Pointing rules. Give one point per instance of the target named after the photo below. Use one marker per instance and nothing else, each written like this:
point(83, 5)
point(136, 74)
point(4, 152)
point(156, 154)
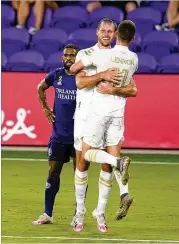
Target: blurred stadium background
point(152, 122)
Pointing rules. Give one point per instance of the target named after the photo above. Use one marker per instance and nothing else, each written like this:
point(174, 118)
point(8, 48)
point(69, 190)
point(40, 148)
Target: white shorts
point(102, 130)
point(79, 125)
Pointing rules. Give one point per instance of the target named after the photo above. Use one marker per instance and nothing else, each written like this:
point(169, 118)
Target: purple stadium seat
point(54, 61)
point(14, 40)
point(46, 20)
point(160, 43)
point(169, 64)
point(3, 61)
point(147, 63)
point(70, 18)
point(145, 18)
point(48, 41)
point(26, 61)
point(160, 5)
point(7, 16)
point(135, 45)
point(84, 38)
point(113, 13)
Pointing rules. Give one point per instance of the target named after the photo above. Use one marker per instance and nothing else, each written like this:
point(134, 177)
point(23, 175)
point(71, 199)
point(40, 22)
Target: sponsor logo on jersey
point(66, 94)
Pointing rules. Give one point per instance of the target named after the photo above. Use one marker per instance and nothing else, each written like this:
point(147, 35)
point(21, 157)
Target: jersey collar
point(120, 47)
point(95, 47)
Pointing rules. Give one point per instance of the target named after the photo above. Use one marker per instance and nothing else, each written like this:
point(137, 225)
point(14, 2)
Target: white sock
point(100, 157)
point(123, 188)
point(19, 26)
point(105, 185)
point(81, 181)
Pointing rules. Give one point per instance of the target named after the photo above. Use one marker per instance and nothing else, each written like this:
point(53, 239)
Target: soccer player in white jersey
point(86, 81)
point(106, 121)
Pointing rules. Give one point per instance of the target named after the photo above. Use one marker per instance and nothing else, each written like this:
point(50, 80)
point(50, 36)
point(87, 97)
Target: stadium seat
point(160, 43)
point(135, 45)
point(7, 16)
point(70, 18)
point(160, 5)
point(147, 63)
point(26, 61)
point(3, 61)
point(46, 19)
point(14, 40)
point(169, 64)
point(145, 18)
point(84, 38)
point(113, 13)
point(54, 61)
point(48, 41)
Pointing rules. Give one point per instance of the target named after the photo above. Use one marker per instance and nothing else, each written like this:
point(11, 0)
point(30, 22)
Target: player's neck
point(102, 47)
point(67, 72)
point(122, 43)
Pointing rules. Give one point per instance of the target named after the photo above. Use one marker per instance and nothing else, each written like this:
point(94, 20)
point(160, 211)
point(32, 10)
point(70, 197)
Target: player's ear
point(97, 31)
point(132, 39)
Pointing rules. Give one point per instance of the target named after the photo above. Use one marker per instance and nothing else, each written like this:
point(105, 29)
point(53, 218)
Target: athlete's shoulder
point(59, 71)
point(134, 55)
point(87, 51)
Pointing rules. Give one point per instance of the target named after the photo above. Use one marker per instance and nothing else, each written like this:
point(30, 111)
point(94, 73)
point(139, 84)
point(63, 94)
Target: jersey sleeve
point(49, 79)
point(79, 56)
point(87, 60)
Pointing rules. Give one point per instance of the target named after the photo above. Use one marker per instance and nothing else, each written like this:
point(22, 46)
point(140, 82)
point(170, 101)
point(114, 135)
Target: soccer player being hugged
point(60, 147)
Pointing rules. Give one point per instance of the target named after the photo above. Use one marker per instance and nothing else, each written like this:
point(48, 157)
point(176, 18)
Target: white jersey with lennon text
point(84, 96)
point(126, 62)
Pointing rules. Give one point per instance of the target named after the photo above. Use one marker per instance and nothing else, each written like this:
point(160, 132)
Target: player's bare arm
point(126, 91)
point(41, 88)
point(76, 67)
point(83, 81)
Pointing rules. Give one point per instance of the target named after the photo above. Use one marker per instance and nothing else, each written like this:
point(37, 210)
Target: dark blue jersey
point(64, 104)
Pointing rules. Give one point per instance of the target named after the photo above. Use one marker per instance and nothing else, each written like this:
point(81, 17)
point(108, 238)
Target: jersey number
point(124, 74)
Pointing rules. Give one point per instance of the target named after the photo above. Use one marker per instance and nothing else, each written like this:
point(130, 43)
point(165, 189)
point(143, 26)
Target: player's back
point(123, 59)
point(126, 61)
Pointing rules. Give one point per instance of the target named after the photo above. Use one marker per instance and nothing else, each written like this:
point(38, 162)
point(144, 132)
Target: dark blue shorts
point(60, 152)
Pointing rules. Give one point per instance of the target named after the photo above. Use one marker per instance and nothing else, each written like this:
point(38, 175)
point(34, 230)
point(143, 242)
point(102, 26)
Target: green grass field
point(154, 214)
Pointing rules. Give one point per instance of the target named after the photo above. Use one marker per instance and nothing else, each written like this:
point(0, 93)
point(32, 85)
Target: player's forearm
point(42, 97)
point(88, 81)
point(75, 68)
point(128, 91)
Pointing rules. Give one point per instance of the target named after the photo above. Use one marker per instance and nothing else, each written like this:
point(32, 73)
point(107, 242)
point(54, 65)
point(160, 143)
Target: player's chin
point(106, 43)
point(68, 65)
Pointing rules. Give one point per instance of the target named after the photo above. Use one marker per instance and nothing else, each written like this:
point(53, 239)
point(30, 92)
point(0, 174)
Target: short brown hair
point(126, 30)
point(108, 21)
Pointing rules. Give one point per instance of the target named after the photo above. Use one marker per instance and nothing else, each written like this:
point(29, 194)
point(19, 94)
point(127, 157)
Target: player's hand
point(105, 88)
point(49, 115)
point(112, 75)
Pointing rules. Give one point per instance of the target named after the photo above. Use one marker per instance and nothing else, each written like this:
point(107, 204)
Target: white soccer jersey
point(119, 57)
point(83, 99)
point(84, 96)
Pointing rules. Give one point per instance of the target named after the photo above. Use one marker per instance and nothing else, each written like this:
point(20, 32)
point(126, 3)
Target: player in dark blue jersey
point(60, 147)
